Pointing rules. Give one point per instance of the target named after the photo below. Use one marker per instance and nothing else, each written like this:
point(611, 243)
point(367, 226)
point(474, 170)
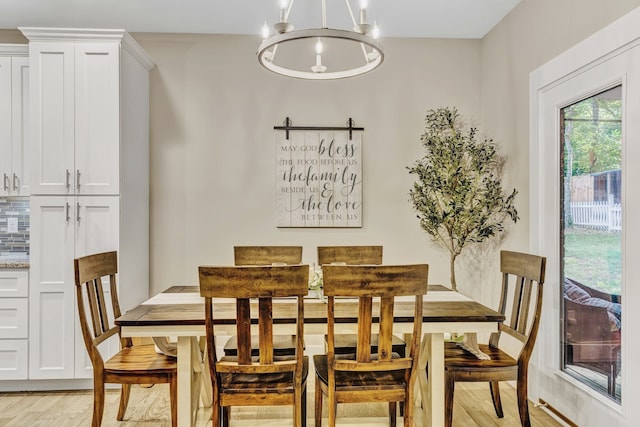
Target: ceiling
point(396, 18)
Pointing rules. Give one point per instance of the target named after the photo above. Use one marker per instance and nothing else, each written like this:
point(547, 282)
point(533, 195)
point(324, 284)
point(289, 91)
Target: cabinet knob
point(6, 182)
point(16, 182)
point(78, 179)
point(68, 177)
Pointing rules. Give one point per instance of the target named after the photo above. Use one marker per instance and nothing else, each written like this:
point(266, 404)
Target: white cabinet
point(14, 321)
point(62, 229)
point(75, 117)
point(14, 107)
point(90, 181)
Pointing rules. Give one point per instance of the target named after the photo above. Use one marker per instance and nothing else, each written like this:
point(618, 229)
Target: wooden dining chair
point(263, 379)
point(522, 284)
point(356, 255)
point(133, 364)
point(266, 255)
point(365, 376)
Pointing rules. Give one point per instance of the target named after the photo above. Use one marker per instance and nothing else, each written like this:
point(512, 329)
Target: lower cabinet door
point(13, 359)
point(96, 230)
point(52, 310)
point(14, 318)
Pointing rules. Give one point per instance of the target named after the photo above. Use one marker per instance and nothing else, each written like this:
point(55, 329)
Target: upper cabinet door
point(14, 102)
point(21, 154)
point(76, 115)
point(5, 127)
point(52, 78)
point(97, 118)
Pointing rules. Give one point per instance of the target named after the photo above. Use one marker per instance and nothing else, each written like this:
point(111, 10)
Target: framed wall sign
point(319, 176)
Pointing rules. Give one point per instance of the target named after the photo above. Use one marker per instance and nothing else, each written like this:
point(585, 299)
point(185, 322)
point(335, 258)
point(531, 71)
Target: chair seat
point(457, 358)
point(283, 345)
point(260, 383)
point(361, 381)
point(346, 344)
point(141, 359)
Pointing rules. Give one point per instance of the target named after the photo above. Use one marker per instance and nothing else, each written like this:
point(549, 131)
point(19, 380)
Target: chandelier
point(321, 53)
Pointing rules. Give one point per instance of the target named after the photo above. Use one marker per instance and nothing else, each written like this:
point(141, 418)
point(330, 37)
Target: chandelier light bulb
point(283, 10)
point(376, 31)
point(363, 11)
point(318, 67)
point(265, 31)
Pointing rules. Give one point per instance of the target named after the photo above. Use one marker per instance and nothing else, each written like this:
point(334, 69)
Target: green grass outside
point(594, 258)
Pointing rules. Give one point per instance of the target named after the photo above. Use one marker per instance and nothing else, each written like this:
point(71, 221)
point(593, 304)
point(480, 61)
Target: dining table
point(178, 312)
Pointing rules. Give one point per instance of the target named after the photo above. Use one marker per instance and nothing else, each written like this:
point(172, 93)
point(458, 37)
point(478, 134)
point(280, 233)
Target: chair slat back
point(353, 255)
point(244, 283)
point(263, 281)
point(267, 255)
point(368, 283)
point(90, 271)
point(525, 274)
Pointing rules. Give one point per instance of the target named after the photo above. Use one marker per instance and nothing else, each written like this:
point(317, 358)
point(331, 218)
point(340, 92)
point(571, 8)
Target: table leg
point(431, 378)
point(185, 372)
point(206, 393)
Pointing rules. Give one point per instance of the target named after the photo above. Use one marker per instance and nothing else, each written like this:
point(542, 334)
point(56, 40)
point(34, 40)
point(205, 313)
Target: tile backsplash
point(14, 211)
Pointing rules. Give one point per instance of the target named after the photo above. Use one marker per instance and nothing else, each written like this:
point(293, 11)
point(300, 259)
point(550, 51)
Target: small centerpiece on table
point(315, 282)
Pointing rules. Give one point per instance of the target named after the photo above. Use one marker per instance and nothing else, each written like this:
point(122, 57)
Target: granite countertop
point(15, 261)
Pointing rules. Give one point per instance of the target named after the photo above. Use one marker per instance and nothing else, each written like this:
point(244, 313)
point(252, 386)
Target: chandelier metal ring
point(364, 36)
point(329, 33)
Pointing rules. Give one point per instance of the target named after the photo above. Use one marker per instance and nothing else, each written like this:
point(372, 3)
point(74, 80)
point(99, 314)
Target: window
point(590, 238)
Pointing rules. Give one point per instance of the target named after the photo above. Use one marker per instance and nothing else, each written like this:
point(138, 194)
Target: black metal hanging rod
point(288, 127)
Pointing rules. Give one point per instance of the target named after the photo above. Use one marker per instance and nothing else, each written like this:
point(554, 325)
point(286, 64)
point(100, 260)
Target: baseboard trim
point(555, 412)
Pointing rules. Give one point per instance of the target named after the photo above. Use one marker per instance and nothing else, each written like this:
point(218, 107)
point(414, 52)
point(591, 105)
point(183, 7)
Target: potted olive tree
point(458, 194)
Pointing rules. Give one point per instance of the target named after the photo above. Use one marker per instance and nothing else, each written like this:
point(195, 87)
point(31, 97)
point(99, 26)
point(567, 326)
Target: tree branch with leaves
point(458, 193)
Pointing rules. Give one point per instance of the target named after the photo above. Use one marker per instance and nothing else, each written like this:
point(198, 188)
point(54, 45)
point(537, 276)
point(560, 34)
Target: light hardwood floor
point(150, 407)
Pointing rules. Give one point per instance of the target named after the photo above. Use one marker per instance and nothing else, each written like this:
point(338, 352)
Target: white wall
point(515, 48)
point(533, 33)
point(213, 109)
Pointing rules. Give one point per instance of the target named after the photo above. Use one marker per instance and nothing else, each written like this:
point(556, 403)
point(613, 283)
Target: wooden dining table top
point(315, 311)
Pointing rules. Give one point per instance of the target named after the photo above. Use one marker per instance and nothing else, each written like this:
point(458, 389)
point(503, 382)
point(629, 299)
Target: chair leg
point(495, 397)
point(523, 398)
point(297, 407)
point(304, 405)
point(215, 410)
point(393, 416)
point(173, 400)
point(611, 380)
point(449, 388)
point(332, 407)
point(226, 415)
point(98, 402)
point(318, 404)
point(125, 391)
point(408, 407)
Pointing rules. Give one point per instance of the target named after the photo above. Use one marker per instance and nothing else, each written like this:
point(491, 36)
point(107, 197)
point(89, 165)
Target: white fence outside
point(600, 215)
